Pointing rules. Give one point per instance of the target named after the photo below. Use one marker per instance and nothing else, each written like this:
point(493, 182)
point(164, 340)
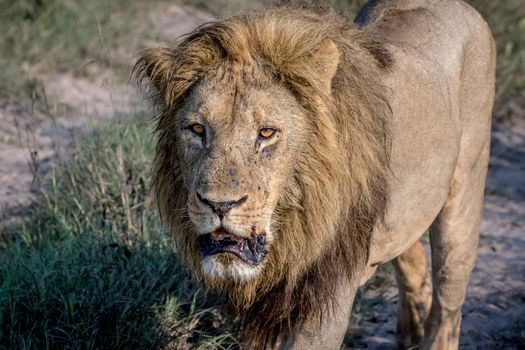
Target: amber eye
point(266, 133)
point(198, 129)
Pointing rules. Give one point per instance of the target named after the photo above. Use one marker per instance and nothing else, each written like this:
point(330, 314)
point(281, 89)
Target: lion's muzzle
point(221, 208)
point(250, 250)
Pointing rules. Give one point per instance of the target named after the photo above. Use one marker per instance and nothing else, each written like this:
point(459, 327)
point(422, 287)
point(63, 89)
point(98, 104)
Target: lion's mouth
point(250, 250)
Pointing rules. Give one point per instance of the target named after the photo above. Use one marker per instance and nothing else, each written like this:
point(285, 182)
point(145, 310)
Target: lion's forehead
point(253, 99)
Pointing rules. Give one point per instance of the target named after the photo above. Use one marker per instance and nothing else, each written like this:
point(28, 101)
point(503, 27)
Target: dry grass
point(93, 268)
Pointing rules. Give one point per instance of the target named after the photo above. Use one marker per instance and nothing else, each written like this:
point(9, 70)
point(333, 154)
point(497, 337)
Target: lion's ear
point(156, 65)
point(326, 60)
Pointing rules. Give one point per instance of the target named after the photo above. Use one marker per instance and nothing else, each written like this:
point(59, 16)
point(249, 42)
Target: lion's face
point(235, 147)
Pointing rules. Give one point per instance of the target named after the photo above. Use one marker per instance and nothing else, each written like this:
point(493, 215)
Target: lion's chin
point(226, 256)
point(227, 266)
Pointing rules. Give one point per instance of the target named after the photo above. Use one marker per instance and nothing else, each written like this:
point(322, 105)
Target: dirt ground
point(494, 311)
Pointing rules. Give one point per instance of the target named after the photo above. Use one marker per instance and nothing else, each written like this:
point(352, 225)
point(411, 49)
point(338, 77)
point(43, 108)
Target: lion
point(296, 151)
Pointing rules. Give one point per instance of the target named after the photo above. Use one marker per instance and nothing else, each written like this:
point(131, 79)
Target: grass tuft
point(94, 268)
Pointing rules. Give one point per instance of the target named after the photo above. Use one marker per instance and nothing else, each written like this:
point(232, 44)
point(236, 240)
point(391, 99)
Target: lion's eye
point(266, 133)
point(197, 129)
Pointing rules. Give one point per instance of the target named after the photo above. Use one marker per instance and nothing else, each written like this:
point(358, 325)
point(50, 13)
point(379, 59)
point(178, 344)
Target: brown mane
point(324, 219)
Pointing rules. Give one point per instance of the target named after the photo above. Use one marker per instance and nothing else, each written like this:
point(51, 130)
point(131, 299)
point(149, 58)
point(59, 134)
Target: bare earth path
point(494, 312)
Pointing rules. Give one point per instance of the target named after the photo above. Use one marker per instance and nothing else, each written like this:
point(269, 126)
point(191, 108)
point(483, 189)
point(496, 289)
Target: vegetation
point(93, 268)
point(80, 37)
point(506, 18)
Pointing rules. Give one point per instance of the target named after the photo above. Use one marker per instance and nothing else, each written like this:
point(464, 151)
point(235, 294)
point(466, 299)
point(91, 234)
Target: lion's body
point(382, 132)
point(442, 90)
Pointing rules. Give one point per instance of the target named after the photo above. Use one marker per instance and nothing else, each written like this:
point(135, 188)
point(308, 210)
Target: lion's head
point(271, 157)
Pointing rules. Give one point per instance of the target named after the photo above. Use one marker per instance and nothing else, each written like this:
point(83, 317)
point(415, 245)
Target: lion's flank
point(338, 191)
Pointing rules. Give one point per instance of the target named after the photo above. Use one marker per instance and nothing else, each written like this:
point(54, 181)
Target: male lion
point(297, 151)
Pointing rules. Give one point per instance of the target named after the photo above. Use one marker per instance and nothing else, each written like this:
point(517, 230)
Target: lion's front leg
point(334, 324)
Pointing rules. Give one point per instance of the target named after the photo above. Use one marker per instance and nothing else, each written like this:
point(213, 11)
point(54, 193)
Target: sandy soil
point(494, 312)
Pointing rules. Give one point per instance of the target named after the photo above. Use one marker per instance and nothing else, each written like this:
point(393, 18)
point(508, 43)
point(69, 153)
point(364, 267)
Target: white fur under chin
point(237, 271)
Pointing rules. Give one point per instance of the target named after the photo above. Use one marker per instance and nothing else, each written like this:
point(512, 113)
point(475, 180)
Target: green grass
point(506, 19)
point(80, 37)
point(94, 268)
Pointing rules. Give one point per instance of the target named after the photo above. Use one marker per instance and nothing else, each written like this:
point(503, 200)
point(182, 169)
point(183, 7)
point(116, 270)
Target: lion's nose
point(221, 208)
